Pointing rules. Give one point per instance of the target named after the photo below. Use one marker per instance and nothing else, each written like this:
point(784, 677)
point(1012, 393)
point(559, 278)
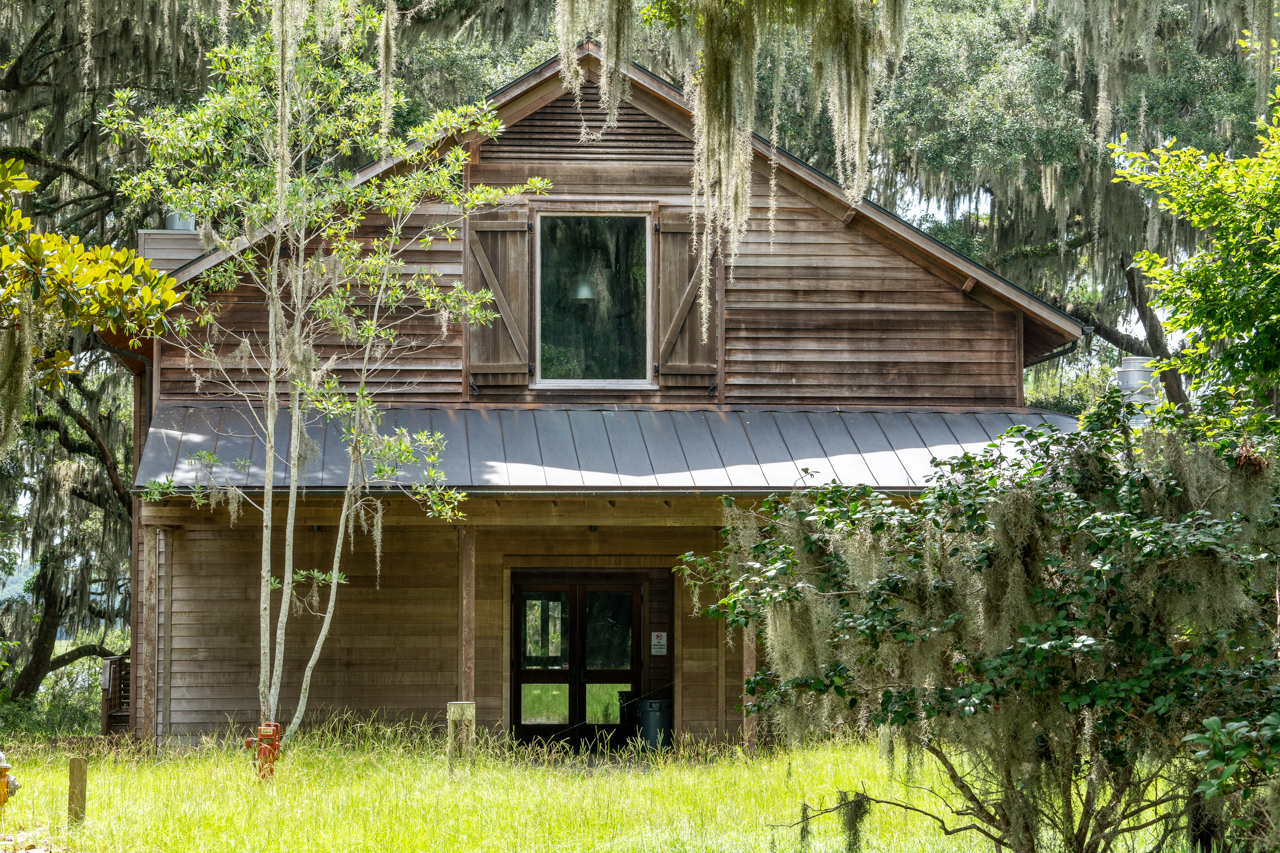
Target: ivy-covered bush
point(1048, 621)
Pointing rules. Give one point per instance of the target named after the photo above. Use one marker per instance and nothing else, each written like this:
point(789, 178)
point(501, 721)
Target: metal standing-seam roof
point(568, 449)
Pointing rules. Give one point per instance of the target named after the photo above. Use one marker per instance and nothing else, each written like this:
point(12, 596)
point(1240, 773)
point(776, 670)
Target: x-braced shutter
point(686, 358)
point(498, 260)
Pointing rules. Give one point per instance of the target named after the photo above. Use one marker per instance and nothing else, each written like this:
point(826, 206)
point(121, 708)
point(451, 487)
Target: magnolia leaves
point(52, 285)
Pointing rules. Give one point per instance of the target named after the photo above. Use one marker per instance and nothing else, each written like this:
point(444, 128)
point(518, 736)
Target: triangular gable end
point(657, 104)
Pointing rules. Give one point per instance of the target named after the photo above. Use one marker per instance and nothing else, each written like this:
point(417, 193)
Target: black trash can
point(655, 722)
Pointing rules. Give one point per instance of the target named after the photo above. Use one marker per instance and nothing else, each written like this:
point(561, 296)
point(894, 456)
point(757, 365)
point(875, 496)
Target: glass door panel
point(545, 642)
point(607, 704)
point(544, 704)
point(609, 621)
point(576, 661)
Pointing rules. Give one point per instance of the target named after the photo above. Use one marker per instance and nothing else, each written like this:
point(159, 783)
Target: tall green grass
point(388, 788)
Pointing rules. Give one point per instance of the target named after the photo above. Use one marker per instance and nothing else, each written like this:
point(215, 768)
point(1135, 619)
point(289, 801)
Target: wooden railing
point(115, 695)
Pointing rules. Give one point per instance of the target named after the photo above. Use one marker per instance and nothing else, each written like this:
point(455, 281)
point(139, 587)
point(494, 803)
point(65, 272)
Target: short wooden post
point(462, 730)
point(77, 790)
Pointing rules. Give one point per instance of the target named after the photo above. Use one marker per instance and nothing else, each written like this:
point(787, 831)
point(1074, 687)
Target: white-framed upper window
point(593, 299)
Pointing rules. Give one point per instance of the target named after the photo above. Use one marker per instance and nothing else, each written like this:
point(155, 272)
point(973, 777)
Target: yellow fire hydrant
point(9, 783)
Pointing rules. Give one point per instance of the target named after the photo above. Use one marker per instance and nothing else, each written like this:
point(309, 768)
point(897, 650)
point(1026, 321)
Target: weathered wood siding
point(815, 310)
point(394, 646)
point(429, 368)
point(168, 250)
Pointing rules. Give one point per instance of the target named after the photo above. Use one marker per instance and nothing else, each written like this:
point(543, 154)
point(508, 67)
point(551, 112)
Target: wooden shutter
point(685, 359)
point(498, 259)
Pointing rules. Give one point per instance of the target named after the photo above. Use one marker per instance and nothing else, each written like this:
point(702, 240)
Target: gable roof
point(1050, 327)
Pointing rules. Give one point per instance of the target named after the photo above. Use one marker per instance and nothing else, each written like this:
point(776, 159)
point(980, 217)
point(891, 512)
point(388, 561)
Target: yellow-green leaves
point(51, 285)
point(1225, 297)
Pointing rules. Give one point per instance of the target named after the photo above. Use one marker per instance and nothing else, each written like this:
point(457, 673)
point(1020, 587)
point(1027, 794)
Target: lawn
point(380, 790)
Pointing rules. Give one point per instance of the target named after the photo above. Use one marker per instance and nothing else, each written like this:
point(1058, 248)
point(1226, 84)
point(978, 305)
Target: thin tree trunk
point(270, 408)
point(304, 693)
point(271, 404)
point(286, 594)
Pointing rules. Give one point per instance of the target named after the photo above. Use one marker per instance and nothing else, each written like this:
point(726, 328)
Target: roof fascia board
point(968, 268)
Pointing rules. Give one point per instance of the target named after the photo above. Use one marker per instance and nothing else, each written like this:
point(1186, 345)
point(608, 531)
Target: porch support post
point(467, 613)
point(145, 660)
point(677, 645)
point(748, 670)
point(722, 640)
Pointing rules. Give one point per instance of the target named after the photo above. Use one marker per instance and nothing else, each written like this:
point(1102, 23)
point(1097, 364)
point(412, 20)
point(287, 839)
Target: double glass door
point(576, 661)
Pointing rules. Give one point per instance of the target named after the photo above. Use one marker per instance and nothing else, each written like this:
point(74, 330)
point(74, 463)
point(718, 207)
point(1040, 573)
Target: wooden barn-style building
point(593, 444)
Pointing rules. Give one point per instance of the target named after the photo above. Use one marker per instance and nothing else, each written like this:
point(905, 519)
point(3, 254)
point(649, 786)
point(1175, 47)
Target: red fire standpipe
point(266, 747)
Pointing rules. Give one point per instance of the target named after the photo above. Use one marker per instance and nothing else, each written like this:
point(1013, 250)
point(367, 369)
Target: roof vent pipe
point(179, 220)
point(1137, 383)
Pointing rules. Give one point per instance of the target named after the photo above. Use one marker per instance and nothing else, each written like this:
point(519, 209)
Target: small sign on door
point(658, 642)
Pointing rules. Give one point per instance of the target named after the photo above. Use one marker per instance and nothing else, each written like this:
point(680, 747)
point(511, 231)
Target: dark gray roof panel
point(576, 449)
point(235, 445)
point(845, 461)
point(734, 449)
point(671, 469)
point(972, 437)
point(488, 459)
point(163, 441)
point(520, 442)
point(910, 447)
point(560, 461)
point(201, 436)
point(883, 464)
point(630, 453)
point(596, 463)
point(772, 454)
point(700, 452)
point(455, 464)
point(936, 435)
point(804, 449)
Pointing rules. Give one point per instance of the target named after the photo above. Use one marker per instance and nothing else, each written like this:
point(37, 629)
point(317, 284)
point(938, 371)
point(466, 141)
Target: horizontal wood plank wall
point(700, 673)
point(168, 250)
point(429, 369)
point(816, 311)
point(394, 641)
point(637, 138)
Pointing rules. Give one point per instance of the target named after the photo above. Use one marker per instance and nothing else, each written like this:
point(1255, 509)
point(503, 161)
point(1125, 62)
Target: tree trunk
point(290, 530)
point(28, 682)
point(304, 693)
point(1151, 324)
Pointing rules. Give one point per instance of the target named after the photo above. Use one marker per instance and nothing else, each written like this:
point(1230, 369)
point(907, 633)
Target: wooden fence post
point(462, 730)
point(77, 790)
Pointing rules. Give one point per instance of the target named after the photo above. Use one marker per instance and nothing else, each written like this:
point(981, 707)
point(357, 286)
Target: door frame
point(578, 582)
point(518, 566)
